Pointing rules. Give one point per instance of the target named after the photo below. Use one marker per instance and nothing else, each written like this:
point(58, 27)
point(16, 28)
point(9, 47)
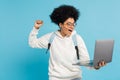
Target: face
point(67, 27)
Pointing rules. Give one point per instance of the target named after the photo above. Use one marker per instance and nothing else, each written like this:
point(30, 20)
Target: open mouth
point(70, 30)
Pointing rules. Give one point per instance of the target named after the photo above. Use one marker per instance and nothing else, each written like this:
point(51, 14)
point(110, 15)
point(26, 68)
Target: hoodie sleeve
point(35, 42)
point(83, 53)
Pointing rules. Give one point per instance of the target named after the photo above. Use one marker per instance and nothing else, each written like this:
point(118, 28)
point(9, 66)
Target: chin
point(68, 35)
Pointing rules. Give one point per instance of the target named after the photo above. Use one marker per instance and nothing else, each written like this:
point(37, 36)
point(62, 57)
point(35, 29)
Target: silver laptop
point(103, 51)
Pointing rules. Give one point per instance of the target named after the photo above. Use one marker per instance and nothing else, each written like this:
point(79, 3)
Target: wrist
point(36, 27)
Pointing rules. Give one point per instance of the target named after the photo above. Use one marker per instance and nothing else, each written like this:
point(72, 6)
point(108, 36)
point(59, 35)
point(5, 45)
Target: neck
point(62, 33)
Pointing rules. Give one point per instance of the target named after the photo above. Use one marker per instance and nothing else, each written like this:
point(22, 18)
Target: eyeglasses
point(69, 24)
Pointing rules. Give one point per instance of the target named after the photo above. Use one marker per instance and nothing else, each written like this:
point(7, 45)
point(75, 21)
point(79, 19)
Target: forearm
point(33, 38)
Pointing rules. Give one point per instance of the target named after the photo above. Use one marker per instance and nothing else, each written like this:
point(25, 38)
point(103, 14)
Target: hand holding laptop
point(100, 64)
point(90, 63)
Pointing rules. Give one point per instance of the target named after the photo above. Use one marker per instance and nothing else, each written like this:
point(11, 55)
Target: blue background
point(100, 19)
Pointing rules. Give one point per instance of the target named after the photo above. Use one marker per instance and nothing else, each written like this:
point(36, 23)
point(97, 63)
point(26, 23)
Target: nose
point(72, 27)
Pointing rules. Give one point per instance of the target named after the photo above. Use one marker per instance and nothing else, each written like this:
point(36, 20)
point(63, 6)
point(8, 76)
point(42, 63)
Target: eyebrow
point(71, 22)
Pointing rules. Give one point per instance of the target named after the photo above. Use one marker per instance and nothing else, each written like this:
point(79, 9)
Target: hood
point(59, 35)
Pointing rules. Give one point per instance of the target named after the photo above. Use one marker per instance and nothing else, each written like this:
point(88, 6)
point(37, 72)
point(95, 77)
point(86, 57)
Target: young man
point(65, 50)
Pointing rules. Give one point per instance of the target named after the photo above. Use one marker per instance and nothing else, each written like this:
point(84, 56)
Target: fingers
point(39, 22)
point(101, 63)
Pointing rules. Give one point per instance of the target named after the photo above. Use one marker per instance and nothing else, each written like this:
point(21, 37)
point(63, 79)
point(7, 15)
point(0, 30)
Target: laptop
point(103, 52)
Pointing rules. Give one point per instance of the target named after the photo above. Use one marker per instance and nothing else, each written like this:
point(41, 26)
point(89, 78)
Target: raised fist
point(38, 24)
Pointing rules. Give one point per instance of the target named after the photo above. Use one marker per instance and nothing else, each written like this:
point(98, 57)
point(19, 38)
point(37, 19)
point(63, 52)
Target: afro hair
point(63, 12)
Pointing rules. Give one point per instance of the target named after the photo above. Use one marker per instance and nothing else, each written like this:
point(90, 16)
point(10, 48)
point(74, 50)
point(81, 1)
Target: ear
point(60, 25)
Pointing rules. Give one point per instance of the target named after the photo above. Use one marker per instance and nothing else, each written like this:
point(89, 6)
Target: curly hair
point(63, 12)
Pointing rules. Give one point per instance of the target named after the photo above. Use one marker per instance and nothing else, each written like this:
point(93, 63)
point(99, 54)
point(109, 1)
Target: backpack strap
point(74, 38)
point(51, 40)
